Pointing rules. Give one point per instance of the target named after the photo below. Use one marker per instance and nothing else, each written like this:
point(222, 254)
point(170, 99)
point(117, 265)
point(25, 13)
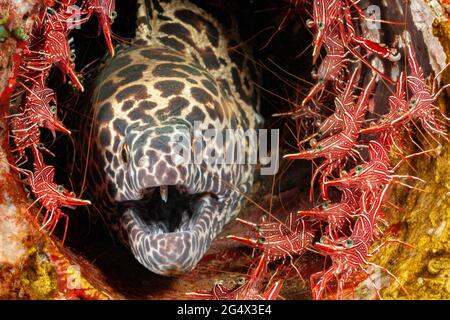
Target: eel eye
point(359, 169)
point(60, 189)
point(125, 153)
point(325, 205)
point(413, 103)
point(321, 25)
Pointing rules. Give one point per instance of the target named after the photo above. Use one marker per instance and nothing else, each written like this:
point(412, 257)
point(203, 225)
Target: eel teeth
point(164, 190)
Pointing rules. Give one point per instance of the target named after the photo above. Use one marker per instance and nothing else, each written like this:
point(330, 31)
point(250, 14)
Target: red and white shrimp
point(104, 10)
point(349, 255)
point(250, 290)
point(51, 195)
point(336, 148)
point(280, 240)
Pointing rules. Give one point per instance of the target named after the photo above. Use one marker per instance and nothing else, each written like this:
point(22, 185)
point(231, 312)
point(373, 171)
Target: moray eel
point(179, 72)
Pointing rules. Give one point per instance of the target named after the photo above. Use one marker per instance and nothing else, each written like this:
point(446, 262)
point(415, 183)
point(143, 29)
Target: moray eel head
point(167, 220)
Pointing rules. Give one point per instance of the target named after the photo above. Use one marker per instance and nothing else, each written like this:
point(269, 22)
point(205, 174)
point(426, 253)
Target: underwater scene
point(224, 150)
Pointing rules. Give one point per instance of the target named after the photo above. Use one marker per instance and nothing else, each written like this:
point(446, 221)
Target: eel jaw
point(171, 252)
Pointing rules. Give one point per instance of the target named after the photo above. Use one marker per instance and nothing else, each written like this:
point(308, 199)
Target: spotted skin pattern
point(180, 70)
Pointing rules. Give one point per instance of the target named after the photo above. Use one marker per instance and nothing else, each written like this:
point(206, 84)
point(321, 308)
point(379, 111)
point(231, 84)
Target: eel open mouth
point(165, 209)
point(169, 230)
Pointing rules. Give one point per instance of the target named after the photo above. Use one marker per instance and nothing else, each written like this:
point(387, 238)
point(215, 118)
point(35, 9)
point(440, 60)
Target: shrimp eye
point(358, 169)
point(396, 56)
point(113, 15)
point(125, 153)
point(325, 205)
point(383, 119)
point(413, 103)
point(72, 57)
point(262, 240)
point(53, 109)
point(321, 79)
point(349, 243)
point(240, 281)
point(60, 189)
point(321, 25)
point(319, 148)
